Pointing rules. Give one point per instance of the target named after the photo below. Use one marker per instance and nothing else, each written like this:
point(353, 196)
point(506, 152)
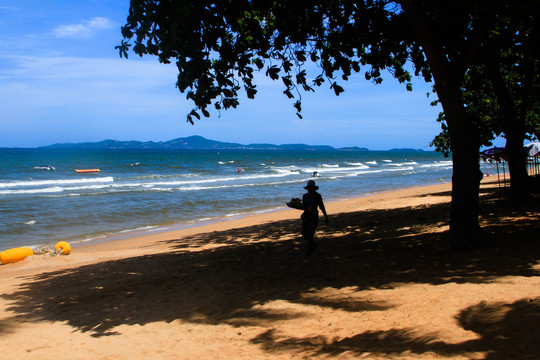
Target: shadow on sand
point(376, 250)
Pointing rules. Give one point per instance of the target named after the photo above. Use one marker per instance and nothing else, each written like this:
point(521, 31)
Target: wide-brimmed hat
point(311, 184)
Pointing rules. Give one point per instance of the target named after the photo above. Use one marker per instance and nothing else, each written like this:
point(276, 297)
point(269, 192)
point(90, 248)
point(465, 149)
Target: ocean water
point(156, 190)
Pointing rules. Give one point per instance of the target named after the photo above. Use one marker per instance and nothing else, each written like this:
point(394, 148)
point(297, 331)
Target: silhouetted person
point(311, 201)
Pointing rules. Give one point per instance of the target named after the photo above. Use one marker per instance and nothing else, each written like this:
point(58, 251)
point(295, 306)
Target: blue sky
point(61, 80)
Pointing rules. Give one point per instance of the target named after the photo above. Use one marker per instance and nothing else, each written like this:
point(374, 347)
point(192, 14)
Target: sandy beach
point(383, 284)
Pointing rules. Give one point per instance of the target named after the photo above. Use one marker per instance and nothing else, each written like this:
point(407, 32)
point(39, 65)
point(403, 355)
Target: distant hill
point(353, 148)
point(191, 142)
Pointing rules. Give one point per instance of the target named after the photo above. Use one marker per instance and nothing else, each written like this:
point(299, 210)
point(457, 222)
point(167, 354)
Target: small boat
point(44, 167)
point(87, 170)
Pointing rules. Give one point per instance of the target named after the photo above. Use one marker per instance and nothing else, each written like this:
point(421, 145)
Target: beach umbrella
point(494, 153)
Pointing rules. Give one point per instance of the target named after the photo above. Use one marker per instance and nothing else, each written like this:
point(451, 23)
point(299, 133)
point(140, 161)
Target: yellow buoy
point(66, 248)
point(15, 254)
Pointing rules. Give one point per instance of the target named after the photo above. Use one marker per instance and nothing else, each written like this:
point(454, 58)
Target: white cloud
point(88, 81)
point(85, 29)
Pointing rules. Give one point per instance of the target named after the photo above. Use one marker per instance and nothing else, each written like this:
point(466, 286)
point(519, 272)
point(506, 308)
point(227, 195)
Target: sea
point(142, 191)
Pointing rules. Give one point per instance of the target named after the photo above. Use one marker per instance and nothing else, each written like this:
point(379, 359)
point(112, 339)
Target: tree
point(513, 71)
point(501, 92)
point(481, 105)
point(218, 44)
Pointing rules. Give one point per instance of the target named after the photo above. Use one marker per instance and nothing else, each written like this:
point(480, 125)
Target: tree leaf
point(337, 89)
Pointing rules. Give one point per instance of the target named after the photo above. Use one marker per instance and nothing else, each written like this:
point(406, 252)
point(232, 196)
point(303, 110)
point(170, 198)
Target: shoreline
point(175, 227)
point(334, 207)
point(160, 192)
point(203, 223)
point(130, 243)
point(157, 229)
point(382, 285)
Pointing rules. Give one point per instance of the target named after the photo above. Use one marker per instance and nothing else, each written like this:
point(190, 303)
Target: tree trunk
point(448, 73)
point(466, 176)
point(517, 164)
point(514, 129)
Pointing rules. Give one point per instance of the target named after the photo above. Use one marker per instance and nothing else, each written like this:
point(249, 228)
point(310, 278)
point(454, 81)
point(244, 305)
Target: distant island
point(197, 142)
point(192, 142)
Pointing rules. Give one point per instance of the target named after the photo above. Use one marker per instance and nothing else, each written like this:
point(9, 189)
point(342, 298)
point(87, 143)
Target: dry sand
point(382, 285)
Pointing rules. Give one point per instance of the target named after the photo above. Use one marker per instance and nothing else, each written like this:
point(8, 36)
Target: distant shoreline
point(201, 143)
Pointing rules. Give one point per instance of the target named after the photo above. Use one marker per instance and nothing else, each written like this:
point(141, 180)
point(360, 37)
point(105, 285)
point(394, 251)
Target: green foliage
point(481, 106)
point(123, 49)
point(510, 58)
point(514, 55)
point(219, 45)
point(441, 142)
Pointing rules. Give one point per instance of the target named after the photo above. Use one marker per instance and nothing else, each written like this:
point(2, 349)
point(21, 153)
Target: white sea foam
point(13, 184)
point(372, 172)
point(242, 178)
point(336, 170)
point(438, 164)
point(32, 191)
point(288, 174)
point(284, 169)
point(288, 170)
point(228, 186)
point(407, 168)
point(142, 228)
point(395, 164)
point(86, 187)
